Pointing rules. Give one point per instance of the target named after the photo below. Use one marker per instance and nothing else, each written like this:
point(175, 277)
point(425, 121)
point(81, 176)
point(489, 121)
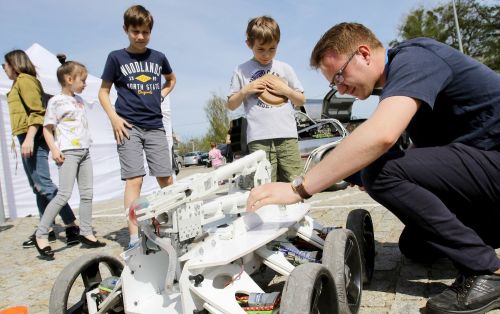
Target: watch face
point(297, 181)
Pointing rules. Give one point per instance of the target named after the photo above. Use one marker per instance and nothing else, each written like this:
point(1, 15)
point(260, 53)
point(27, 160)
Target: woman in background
point(26, 119)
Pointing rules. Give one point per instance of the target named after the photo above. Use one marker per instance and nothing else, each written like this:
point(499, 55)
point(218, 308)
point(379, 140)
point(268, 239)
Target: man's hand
point(271, 193)
point(58, 157)
point(120, 127)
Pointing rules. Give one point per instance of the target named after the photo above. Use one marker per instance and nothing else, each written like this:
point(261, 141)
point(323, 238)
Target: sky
point(203, 40)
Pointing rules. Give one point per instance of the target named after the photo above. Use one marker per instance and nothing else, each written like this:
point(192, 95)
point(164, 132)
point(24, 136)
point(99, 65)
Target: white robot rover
point(201, 252)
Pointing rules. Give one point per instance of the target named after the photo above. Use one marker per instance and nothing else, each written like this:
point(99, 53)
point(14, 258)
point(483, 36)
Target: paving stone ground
point(398, 285)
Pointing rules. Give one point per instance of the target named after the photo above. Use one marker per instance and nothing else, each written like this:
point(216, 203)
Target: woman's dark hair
point(71, 68)
point(20, 62)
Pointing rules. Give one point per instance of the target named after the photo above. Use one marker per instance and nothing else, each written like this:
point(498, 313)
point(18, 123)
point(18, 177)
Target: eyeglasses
point(338, 78)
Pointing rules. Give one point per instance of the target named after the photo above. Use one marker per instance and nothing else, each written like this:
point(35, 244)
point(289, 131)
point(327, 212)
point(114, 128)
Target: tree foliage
point(218, 119)
point(479, 27)
point(216, 112)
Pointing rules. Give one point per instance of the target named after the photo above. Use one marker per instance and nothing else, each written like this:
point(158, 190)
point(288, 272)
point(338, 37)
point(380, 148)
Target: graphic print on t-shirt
point(256, 75)
point(143, 76)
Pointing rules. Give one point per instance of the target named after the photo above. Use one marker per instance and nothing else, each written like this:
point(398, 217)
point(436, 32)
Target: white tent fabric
point(18, 198)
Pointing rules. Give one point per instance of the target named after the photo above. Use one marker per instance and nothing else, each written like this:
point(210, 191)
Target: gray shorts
point(154, 143)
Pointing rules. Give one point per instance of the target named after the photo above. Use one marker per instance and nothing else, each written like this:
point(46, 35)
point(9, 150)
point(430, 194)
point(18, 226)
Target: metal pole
point(457, 28)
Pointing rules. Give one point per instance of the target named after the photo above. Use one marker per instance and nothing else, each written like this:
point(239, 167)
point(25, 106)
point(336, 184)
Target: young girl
point(26, 119)
point(68, 137)
point(215, 156)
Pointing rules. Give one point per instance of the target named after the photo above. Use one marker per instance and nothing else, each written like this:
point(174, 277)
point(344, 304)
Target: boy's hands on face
point(120, 127)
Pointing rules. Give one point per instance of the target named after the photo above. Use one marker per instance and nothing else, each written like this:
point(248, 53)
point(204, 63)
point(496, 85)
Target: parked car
point(226, 151)
point(179, 159)
point(204, 161)
point(315, 133)
point(192, 159)
point(336, 122)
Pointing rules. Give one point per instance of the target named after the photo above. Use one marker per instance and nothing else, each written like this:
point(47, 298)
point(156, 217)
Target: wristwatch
point(298, 187)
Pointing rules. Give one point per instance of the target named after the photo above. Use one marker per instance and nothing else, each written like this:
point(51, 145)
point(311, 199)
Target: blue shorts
point(154, 143)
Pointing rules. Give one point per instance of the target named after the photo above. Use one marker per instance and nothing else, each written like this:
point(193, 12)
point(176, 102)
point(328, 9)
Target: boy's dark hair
point(137, 15)
point(71, 68)
point(343, 38)
point(20, 62)
point(263, 29)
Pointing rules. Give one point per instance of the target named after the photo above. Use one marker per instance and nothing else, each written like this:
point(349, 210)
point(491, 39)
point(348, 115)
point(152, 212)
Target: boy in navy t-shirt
point(136, 118)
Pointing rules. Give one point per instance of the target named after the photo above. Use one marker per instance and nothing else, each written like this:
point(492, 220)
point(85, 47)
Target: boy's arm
point(297, 98)
point(118, 123)
point(235, 100)
point(170, 81)
point(48, 134)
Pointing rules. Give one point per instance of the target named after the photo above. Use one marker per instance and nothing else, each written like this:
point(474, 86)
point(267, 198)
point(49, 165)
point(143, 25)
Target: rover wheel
point(79, 277)
point(309, 289)
point(341, 256)
point(360, 223)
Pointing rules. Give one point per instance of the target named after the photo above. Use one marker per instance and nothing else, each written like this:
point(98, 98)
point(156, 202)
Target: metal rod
point(457, 27)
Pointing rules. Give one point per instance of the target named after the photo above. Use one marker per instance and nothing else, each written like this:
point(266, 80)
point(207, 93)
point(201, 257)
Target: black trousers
point(449, 196)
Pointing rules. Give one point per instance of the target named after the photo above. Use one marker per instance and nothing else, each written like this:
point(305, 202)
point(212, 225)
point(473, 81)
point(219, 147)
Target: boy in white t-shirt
point(271, 126)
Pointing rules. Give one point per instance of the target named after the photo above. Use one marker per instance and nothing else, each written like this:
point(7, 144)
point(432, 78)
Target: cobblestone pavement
point(398, 285)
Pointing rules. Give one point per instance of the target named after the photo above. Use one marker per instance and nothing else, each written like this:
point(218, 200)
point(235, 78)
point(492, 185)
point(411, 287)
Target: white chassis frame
point(204, 232)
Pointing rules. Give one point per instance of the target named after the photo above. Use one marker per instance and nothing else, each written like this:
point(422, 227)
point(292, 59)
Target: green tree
point(479, 27)
point(217, 116)
point(218, 119)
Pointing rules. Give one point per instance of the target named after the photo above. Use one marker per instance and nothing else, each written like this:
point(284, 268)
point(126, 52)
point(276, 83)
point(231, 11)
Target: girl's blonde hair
point(71, 68)
point(20, 62)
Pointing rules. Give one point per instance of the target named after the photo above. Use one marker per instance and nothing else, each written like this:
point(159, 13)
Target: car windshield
point(191, 154)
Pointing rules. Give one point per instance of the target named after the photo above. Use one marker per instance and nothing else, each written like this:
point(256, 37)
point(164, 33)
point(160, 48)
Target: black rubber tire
point(359, 221)
point(87, 267)
point(341, 256)
point(309, 289)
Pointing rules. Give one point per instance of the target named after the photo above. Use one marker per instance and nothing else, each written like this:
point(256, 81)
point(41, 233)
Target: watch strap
point(299, 189)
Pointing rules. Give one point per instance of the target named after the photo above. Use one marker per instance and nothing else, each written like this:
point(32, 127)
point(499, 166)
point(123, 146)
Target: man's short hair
point(263, 29)
point(343, 38)
point(137, 15)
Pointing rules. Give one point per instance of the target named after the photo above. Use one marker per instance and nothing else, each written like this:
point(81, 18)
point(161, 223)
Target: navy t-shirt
point(137, 79)
point(460, 96)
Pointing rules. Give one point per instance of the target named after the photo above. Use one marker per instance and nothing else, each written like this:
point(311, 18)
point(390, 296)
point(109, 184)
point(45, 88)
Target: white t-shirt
point(71, 129)
point(265, 121)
